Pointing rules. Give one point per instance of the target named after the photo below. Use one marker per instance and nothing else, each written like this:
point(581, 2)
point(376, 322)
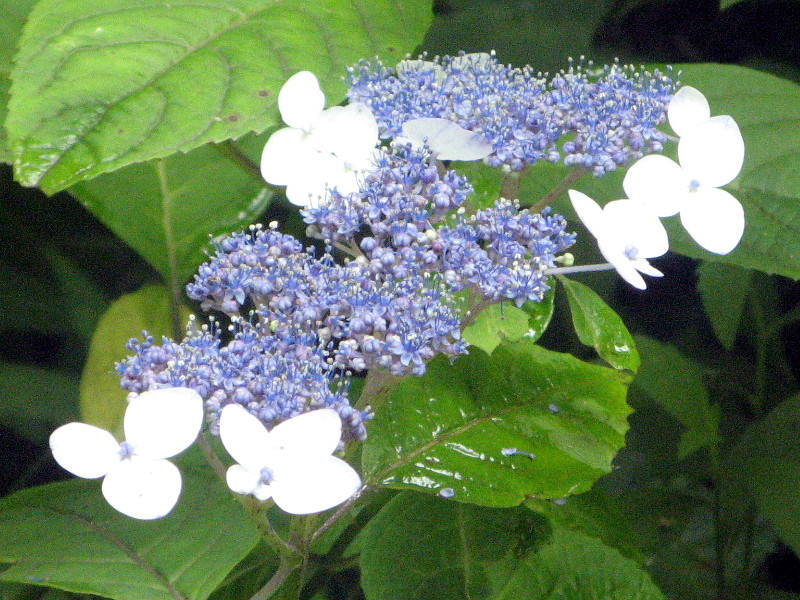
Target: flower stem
point(255, 509)
point(579, 269)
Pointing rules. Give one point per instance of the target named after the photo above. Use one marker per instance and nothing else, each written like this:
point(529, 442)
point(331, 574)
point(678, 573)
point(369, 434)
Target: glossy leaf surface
point(453, 428)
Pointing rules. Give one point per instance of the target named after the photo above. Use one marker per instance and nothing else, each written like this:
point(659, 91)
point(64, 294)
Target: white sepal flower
point(711, 155)
point(138, 482)
point(627, 233)
point(292, 463)
point(687, 109)
point(321, 149)
point(447, 139)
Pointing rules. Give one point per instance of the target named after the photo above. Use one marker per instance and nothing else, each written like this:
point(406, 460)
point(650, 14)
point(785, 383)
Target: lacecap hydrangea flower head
point(400, 249)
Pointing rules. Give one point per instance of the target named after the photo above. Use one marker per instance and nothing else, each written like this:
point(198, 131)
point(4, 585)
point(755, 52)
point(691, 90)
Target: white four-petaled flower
point(321, 149)
point(711, 153)
point(138, 482)
point(293, 463)
point(627, 233)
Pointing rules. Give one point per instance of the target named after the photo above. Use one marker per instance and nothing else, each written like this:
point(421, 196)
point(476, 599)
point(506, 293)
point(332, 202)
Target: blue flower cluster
point(274, 375)
point(302, 323)
point(403, 213)
point(611, 114)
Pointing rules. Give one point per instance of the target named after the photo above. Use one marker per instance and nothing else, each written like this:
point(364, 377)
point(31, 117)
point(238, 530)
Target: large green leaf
point(676, 383)
point(149, 309)
point(100, 84)
point(598, 326)
point(770, 459)
point(14, 14)
point(166, 210)
point(426, 548)
point(64, 535)
point(452, 428)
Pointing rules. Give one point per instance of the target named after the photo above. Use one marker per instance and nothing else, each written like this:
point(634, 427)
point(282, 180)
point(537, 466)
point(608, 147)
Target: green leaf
point(430, 548)
point(101, 84)
point(771, 466)
point(34, 400)
point(676, 383)
point(166, 210)
point(449, 428)
point(724, 290)
point(504, 322)
point(598, 326)
point(421, 547)
point(64, 535)
point(578, 566)
point(14, 14)
point(102, 400)
point(594, 514)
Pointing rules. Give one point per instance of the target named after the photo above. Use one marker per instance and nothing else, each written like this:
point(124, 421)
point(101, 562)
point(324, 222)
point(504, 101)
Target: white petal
point(242, 481)
point(285, 155)
point(322, 172)
point(311, 486)
point(162, 423)
point(143, 488)
point(714, 219)
point(687, 109)
point(301, 100)
point(244, 437)
point(713, 152)
point(314, 433)
point(630, 223)
point(658, 181)
point(625, 267)
point(84, 450)
point(350, 132)
point(447, 139)
point(645, 267)
point(589, 212)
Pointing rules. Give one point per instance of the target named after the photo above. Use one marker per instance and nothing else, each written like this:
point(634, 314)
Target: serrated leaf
point(770, 461)
point(724, 290)
point(676, 384)
point(102, 400)
point(449, 429)
point(14, 14)
point(598, 326)
point(101, 84)
point(166, 210)
point(486, 554)
point(34, 400)
point(64, 535)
